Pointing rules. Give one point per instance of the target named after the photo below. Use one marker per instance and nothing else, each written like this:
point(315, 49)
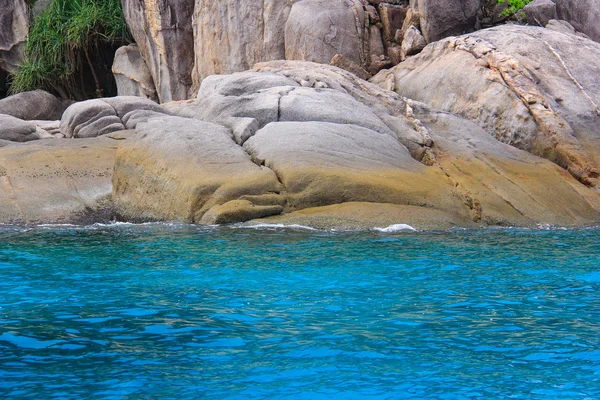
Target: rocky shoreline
point(497, 127)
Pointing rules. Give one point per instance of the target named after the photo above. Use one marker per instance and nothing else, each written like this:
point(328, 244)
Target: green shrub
point(65, 44)
point(514, 7)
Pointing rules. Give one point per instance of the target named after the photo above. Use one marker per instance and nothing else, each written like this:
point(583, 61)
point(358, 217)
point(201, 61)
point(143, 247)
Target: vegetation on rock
point(70, 47)
point(514, 7)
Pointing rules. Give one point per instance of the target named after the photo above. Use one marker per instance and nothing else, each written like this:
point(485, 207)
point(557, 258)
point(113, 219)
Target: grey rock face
point(584, 15)
point(35, 105)
point(231, 35)
point(292, 136)
point(443, 18)
point(163, 31)
point(16, 130)
point(540, 12)
point(14, 26)
point(412, 43)
point(99, 117)
point(317, 30)
point(197, 167)
point(132, 75)
point(55, 181)
point(533, 88)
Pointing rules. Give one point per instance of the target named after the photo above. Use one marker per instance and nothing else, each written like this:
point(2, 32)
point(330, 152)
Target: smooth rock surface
point(231, 35)
point(188, 170)
point(16, 130)
point(540, 12)
point(314, 142)
point(584, 15)
point(533, 88)
point(443, 18)
point(317, 30)
point(97, 117)
point(163, 31)
point(14, 27)
point(132, 75)
point(56, 181)
point(300, 120)
point(34, 105)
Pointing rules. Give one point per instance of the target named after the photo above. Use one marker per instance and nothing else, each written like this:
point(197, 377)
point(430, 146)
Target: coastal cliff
point(341, 113)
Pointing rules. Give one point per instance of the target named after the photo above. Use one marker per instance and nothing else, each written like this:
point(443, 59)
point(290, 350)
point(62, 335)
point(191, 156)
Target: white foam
point(275, 226)
point(550, 227)
point(57, 226)
point(396, 228)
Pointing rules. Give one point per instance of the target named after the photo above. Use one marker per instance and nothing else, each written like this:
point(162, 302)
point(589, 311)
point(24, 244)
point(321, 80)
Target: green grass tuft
point(514, 7)
point(60, 42)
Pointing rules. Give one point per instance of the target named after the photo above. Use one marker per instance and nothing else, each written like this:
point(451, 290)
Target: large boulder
point(163, 31)
point(530, 87)
point(97, 117)
point(14, 27)
point(317, 30)
point(540, 12)
point(132, 75)
point(16, 130)
point(55, 181)
point(582, 14)
point(443, 18)
point(232, 35)
point(181, 169)
point(293, 137)
point(34, 105)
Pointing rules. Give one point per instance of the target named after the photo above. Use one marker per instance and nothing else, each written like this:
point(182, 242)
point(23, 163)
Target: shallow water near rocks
point(173, 312)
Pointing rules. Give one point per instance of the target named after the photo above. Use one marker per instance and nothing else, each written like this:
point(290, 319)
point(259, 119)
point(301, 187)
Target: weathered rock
point(332, 138)
point(343, 62)
point(243, 102)
point(4, 143)
point(231, 35)
point(99, 117)
point(51, 127)
point(17, 130)
point(55, 181)
point(392, 19)
point(319, 143)
point(35, 105)
point(14, 27)
point(323, 163)
point(503, 185)
point(363, 216)
point(163, 31)
point(317, 30)
point(182, 169)
point(132, 75)
point(377, 57)
point(582, 14)
point(540, 12)
point(413, 42)
point(443, 18)
point(530, 87)
point(561, 26)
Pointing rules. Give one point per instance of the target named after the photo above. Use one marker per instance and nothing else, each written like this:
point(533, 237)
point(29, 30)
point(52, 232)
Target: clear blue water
point(167, 312)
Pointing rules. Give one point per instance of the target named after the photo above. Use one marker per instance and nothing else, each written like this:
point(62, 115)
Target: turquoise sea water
point(182, 312)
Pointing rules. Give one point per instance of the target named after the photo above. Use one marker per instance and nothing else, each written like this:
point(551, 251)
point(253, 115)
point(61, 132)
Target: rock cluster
point(529, 87)
point(183, 42)
point(14, 26)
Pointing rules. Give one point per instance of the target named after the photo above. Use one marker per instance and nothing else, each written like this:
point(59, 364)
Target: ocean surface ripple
point(182, 312)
